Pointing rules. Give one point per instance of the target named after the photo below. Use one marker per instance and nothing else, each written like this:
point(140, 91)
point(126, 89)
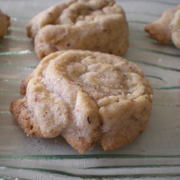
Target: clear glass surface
point(155, 154)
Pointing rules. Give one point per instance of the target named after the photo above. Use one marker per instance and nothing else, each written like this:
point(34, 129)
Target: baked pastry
point(175, 28)
point(80, 24)
point(167, 28)
point(86, 97)
point(5, 22)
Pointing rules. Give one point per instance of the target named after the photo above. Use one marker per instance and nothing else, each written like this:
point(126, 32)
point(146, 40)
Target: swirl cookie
point(80, 24)
point(87, 97)
point(5, 22)
point(167, 28)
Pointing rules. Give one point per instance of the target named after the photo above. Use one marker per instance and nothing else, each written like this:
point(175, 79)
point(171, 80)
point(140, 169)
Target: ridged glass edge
point(87, 156)
point(11, 178)
point(86, 176)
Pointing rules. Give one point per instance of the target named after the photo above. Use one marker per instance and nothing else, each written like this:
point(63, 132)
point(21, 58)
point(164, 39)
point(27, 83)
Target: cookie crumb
point(179, 80)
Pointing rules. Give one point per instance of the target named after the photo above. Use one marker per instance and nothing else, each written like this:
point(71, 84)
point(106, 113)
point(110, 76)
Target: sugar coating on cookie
point(167, 28)
point(5, 22)
point(80, 24)
point(87, 97)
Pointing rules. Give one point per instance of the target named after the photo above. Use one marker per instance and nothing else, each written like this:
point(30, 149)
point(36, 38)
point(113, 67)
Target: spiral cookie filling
point(87, 97)
point(80, 24)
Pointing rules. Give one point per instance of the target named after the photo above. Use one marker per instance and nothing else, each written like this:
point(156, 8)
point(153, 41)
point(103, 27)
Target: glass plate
point(155, 154)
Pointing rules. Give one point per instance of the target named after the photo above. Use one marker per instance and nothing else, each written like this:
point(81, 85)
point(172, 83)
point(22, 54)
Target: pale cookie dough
point(86, 97)
point(80, 24)
point(5, 22)
point(167, 27)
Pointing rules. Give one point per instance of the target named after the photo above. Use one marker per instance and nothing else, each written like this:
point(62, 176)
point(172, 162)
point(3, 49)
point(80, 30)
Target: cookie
point(80, 24)
point(160, 29)
point(5, 22)
point(87, 97)
point(175, 29)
